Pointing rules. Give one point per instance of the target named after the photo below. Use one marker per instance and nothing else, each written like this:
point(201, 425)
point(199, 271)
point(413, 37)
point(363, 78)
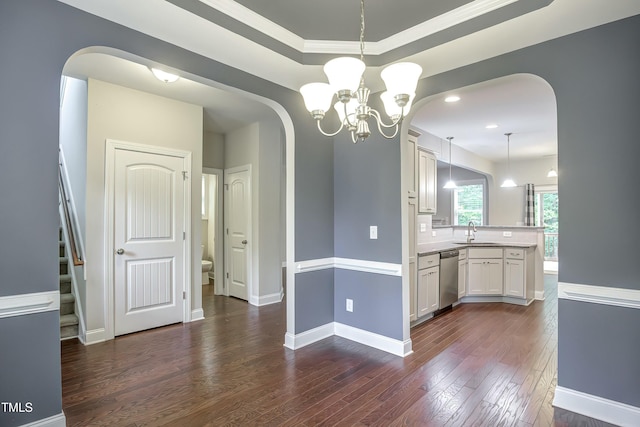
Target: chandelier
point(346, 82)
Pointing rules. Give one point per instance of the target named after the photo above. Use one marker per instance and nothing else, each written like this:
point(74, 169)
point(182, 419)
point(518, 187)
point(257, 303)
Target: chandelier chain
point(362, 30)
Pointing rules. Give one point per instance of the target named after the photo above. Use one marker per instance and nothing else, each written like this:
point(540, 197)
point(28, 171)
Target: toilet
point(206, 266)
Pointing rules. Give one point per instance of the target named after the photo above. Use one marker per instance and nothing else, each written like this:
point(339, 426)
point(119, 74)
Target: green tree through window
point(468, 204)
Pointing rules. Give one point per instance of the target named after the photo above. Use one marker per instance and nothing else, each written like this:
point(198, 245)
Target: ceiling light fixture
point(163, 76)
point(553, 173)
point(450, 184)
point(347, 83)
point(508, 183)
point(491, 126)
point(452, 98)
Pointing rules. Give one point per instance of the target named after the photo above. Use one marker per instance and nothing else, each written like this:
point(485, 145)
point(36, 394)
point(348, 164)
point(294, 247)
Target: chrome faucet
point(469, 230)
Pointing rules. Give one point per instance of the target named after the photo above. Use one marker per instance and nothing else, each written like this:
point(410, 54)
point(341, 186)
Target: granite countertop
point(432, 248)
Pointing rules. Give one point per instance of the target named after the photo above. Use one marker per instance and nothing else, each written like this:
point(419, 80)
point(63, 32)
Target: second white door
point(238, 231)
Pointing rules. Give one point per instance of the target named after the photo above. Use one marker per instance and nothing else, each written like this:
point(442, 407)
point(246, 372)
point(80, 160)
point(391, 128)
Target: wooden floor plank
point(479, 364)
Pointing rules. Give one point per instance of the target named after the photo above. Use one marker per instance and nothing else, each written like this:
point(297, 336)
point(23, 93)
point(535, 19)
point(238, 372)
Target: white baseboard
point(390, 345)
point(197, 314)
point(271, 298)
point(597, 407)
point(297, 341)
point(55, 421)
point(38, 302)
point(539, 295)
point(94, 336)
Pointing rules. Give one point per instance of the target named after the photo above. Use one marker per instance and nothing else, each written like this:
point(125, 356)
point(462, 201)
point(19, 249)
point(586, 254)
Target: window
point(469, 203)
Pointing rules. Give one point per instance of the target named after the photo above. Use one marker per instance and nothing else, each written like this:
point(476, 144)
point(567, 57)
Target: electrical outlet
point(350, 305)
point(433, 234)
point(506, 234)
point(373, 232)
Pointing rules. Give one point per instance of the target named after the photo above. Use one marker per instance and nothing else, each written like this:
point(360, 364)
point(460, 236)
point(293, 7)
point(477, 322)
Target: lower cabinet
point(514, 276)
point(485, 276)
point(428, 290)
point(462, 273)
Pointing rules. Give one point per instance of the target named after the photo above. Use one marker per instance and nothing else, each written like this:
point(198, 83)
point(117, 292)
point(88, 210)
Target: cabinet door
point(462, 278)
point(514, 278)
point(413, 266)
point(476, 277)
point(494, 279)
point(428, 290)
point(427, 182)
point(411, 165)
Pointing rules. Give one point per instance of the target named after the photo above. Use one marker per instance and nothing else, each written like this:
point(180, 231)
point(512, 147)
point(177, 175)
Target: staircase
point(68, 318)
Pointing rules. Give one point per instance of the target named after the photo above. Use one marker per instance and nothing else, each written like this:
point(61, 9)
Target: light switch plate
point(373, 232)
point(349, 305)
point(423, 228)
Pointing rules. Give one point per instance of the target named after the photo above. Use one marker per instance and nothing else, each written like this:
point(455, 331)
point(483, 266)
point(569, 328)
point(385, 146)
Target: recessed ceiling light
point(452, 98)
point(491, 126)
point(164, 76)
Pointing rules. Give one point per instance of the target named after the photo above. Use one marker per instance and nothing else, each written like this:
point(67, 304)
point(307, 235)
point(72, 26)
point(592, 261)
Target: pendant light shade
point(509, 182)
point(451, 183)
point(392, 109)
point(317, 96)
point(401, 78)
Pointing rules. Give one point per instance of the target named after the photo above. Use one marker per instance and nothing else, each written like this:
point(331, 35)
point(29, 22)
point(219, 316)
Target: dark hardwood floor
point(481, 364)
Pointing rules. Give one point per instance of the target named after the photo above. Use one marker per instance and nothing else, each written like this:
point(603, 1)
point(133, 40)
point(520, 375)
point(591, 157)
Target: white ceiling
point(522, 104)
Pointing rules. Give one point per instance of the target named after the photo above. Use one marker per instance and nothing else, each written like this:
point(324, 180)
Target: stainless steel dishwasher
point(448, 278)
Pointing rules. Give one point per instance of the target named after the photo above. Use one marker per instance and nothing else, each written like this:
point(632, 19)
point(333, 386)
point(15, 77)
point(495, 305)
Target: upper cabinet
point(411, 165)
point(427, 182)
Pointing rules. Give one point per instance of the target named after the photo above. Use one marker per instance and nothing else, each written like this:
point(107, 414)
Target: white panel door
point(148, 240)
point(238, 220)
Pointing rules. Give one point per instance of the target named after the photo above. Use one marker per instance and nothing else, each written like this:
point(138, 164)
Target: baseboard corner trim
point(305, 338)
point(539, 296)
point(371, 339)
point(58, 420)
point(197, 314)
point(94, 336)
point(270, 299)
point(596, 407)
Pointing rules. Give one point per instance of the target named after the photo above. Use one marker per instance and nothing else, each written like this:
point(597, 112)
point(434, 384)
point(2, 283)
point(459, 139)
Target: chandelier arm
point(346, 117)
point(329, 134)
point(376, 114)
point(379, 122)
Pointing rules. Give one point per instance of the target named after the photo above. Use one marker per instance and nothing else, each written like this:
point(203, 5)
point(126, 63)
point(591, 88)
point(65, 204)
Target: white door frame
point(111, 147)
point(250, 275)
point(219, 264)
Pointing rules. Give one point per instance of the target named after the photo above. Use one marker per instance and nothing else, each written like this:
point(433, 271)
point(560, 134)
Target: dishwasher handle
point(449, 254)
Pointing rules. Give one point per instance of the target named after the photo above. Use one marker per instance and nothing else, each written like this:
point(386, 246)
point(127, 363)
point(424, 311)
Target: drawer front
point(486, 253)
point(513, 253)
point(428, 261)
point(462, 255)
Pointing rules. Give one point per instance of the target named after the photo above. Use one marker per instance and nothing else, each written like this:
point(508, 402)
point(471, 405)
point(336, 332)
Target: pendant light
point(508, 183)
point(450, 184)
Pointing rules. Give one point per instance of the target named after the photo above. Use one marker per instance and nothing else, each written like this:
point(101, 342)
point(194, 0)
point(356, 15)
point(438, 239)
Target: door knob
point(244, 242)
point(120, 251)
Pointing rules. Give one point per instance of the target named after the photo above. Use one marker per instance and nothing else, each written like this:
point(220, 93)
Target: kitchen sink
point(472, 243)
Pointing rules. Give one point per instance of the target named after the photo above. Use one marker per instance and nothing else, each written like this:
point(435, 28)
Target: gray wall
point(593, 73)
point(314, 299)
point(213, 150)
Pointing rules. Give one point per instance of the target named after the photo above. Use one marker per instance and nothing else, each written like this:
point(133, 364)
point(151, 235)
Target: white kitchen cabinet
point(514, 277)
point(411, 163)
point(427, 182)
point(413, 265)
point(485, 271)
point(428, 290)
point(462, 273)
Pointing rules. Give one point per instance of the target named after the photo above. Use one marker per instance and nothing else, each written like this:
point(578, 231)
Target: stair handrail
point(75, 255)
